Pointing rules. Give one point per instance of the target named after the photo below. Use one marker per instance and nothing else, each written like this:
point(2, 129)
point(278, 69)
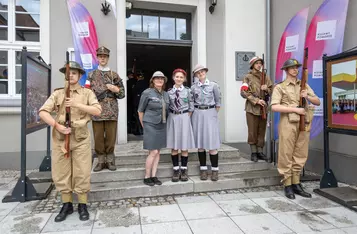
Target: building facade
point(211, 39)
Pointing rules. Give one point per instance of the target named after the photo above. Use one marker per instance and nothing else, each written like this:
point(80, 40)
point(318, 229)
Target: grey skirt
point(179, 132)
point(205, 127)
point(154, 136)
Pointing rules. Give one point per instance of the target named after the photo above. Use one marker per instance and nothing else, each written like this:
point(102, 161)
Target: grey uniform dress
point(179, 128)
point(205, 123)
point(155, 107)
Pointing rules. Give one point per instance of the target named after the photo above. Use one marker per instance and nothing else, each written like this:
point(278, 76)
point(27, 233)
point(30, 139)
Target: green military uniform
point(105, 126)
point(72, 175)
point(251, 90)
point(293, 143)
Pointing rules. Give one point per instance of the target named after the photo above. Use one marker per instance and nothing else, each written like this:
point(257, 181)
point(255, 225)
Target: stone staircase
point(235, 171)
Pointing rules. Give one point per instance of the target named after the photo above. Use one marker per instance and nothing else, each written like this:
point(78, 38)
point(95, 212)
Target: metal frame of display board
point(345, 196)
point(25, 189)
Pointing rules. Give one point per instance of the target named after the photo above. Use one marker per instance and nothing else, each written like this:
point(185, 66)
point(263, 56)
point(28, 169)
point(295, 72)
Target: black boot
point(262, 156)
point(289, 192)
point(297, 189)
point(254, 157)
point(83, 212)
point(66, 209)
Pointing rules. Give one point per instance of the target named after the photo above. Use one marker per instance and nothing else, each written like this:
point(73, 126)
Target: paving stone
point(117, 217)
point(28, 223)
point(340, 217)
point(180, 227)
point(160, 214)
point(214, 226)
point(241, 207)
point(135, 229)
point(277, 204)
point(201, 210)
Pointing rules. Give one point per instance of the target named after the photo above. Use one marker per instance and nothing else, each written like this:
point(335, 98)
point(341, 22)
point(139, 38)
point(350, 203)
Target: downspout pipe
point(270, 153)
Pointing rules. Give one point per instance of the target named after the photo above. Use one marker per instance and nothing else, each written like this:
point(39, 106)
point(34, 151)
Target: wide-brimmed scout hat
point(103, 51)
point(199, 67)
point(158, 74)
point(290, 63)
point(73, 65)
point(254, 60)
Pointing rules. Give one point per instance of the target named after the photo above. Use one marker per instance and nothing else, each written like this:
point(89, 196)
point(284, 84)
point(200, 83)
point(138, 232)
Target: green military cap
point(290, 63)
point(73, 65)
point(103, 51)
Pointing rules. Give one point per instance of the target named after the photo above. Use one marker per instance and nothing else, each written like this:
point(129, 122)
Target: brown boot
point(203, 175)
point(111, 166)
point(176, 176)
point(99, 167)
point(214, 176)
point(111, 162)
point(184, 176)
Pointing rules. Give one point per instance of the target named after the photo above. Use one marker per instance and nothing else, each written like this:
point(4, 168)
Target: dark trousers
point(256, 129)
point(105, 133)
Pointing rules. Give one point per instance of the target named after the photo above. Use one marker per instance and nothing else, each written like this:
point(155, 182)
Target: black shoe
point(149, 182)
point(176, 176)
point(254, 157)
point(156, 181)
point(297, 189)
point(83, 212)
point(66, 209)
point(289, 192)
point(262, 156)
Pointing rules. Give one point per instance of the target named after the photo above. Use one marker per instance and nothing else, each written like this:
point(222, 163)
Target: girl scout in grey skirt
point(207, 101)
point(152, 110)
point(179, 128)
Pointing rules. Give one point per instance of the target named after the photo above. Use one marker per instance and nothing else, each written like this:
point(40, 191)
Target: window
point(19, 26)
point(158, 25)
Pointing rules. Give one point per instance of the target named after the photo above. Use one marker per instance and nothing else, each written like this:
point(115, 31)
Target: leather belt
point(178, 112)
point(205, 107)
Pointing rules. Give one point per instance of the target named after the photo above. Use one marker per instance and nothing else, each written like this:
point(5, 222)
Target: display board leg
point(46, 162)
point(23, 191)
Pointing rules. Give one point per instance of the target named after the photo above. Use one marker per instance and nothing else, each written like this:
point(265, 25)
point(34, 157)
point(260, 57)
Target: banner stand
point(46, 162)
point(25, 189)
point(345, 196)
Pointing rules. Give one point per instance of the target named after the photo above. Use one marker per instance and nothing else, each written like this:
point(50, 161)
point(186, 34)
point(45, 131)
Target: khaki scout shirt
point(287, 93)
point(253, 95)
point(78, 94)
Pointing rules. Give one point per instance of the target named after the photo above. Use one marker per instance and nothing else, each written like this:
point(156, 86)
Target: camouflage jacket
point(107, 99)
point(253, 94)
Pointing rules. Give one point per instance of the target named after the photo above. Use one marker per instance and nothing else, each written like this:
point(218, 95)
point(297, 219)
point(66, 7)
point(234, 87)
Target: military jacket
point(206, 94)
point(253, 94)
point(107, 99)
point(181, 99)
point(154, 105)
point(79, 119)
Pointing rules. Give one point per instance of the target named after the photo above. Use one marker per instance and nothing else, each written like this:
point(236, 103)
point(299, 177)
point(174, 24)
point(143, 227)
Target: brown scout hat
point(103, 51)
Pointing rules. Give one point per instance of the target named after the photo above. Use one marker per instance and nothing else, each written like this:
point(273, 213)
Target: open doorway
point(146, 59)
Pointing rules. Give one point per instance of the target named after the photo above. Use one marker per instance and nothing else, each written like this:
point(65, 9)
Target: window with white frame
point(19, 26)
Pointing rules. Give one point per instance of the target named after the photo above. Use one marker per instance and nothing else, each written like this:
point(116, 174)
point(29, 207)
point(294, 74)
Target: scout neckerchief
point(177, 95)
point(163, 103)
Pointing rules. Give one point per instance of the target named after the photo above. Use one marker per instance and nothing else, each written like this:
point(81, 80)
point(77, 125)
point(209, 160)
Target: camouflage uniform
point(256, 125)
point(105, 126)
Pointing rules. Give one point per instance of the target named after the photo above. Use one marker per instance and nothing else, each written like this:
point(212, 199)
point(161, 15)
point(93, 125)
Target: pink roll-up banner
point(84, 36)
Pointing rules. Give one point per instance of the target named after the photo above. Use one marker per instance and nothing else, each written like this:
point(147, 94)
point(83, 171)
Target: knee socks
point(175, 161)
point(214, 161)
point(184, 161)
point(202, 158)
point(253, 148)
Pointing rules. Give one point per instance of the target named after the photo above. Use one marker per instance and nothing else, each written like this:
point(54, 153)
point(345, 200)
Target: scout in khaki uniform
point(293, 143)
point(108, 87)
point(71, 175)
point(251, 90)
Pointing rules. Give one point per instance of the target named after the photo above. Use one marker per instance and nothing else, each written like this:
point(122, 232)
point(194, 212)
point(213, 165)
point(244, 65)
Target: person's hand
point(303, 93)
point(189, 114)
point(300, 111)
point(261, 102)
point(264, 87)
point(62, 129)
point(70, 103)
point(113, 88)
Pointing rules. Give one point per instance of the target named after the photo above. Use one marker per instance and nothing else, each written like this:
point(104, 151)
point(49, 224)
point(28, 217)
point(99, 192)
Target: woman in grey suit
point(152, 110)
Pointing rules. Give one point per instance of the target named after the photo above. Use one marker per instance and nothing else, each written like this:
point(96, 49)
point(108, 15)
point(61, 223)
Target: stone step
point(133, 153)
point(137, 171)
point(136, 188)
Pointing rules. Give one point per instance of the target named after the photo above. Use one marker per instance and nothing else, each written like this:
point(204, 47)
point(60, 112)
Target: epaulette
point(58, 89)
